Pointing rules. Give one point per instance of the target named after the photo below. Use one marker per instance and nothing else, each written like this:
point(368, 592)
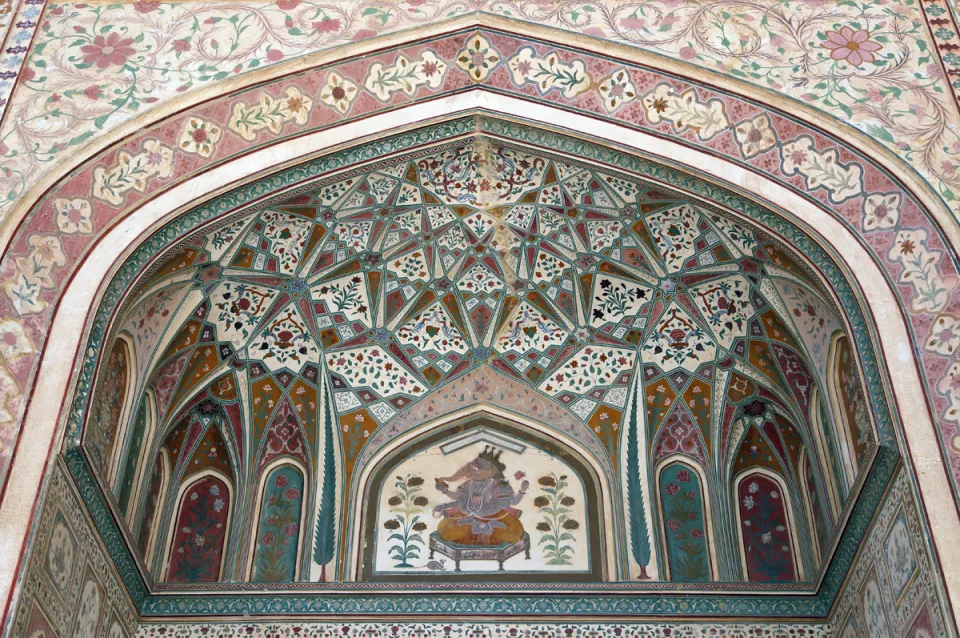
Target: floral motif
point(821, 169)
point(200, 532)
point(88, 610)
point(900, 558)
point(855, 47)
point(35, 274)
point(616, 90)
point(755, 136)
point(110, 51)
point(73, 216)
point(944, 335)
point(478, 58)
point(199, 137)
point(132, 172)
point(270, 113)
point(14, 342)
point(881, 211)
point(338, 92)
point(405, 527)
point(275, 558)
point(404, 76)
point(61, 554)
point(921, 269)
point(549, 73)
point(685, 111)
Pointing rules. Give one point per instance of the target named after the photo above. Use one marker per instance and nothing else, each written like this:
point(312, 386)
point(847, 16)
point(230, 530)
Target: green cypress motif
point(639, 538)
point(324, 543)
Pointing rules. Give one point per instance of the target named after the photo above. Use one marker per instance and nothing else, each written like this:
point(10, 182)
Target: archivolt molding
point(180, 184)
point(178, 198)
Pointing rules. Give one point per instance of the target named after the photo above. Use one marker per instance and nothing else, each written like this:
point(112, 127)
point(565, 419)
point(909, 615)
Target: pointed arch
point(825, 442)
point(156, 492)
point(813, 506)
point(766, 527)
point(687, 523)
point(275, 547)
point(130, 477)
point(848, 404)
point(197, 539)
point(109, 407)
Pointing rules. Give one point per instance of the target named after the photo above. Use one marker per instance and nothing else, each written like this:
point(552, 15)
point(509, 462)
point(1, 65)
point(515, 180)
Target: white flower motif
point(14, 342)
point(881, 211)
point(338, 93)
point(767, 538)
point(73, 216)
point(199, 137)
point(194, 496)
point(748, 502)
point(215, 490)
point(755, 136)
point(944, 337)
point(774, 495)
point(781, 528)
point(218, 505)
point(478, 58)
point(617, 90)
point(753, 488)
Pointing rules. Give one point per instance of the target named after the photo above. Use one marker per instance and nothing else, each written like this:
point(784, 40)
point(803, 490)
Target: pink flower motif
point(518, 475)
point(291, 494)
point(93, 92)
point(181, 45)
point(281, 481)
point(268, 539)
point(364, 33)
point(287, 5)
point(688, 53)
point(672, 489)
point(290, 530)
point(697, 534)
point(327, 25)
point(108, 51)
point(146, 6)
point(853, 46)
point(673, 525)
point(683, 476)
point(633, 22)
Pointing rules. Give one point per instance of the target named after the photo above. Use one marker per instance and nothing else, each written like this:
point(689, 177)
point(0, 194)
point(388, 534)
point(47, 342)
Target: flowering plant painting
point(557, 525)
point(766, 536)
point(687, 548)
point(279, 530)
point(406, 526)
point(197, 549)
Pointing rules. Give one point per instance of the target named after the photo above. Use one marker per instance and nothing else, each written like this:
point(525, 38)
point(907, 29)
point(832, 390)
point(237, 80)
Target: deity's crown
point(493, 456)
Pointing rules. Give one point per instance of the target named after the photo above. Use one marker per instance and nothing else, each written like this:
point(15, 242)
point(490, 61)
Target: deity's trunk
point(456, 477)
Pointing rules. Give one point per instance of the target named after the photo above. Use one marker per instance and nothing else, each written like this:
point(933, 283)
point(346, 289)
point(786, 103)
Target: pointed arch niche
point(482, 499)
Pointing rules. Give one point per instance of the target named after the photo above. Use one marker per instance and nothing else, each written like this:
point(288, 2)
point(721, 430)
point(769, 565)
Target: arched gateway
point(496, 358)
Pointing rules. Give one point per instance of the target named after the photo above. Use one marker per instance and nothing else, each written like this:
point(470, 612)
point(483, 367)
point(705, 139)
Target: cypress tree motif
point(324, 543)
point(639, 538)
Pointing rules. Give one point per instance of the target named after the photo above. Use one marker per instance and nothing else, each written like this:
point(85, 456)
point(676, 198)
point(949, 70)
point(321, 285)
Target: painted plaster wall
point(71, 587)
point(69, 559)
point(70, 93)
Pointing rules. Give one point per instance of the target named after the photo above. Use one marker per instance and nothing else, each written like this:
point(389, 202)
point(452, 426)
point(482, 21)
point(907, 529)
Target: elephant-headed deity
point(482, 511)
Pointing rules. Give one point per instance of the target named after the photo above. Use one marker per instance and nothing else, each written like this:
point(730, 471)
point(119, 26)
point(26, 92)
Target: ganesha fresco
point(482, 511)
point(487, 515)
